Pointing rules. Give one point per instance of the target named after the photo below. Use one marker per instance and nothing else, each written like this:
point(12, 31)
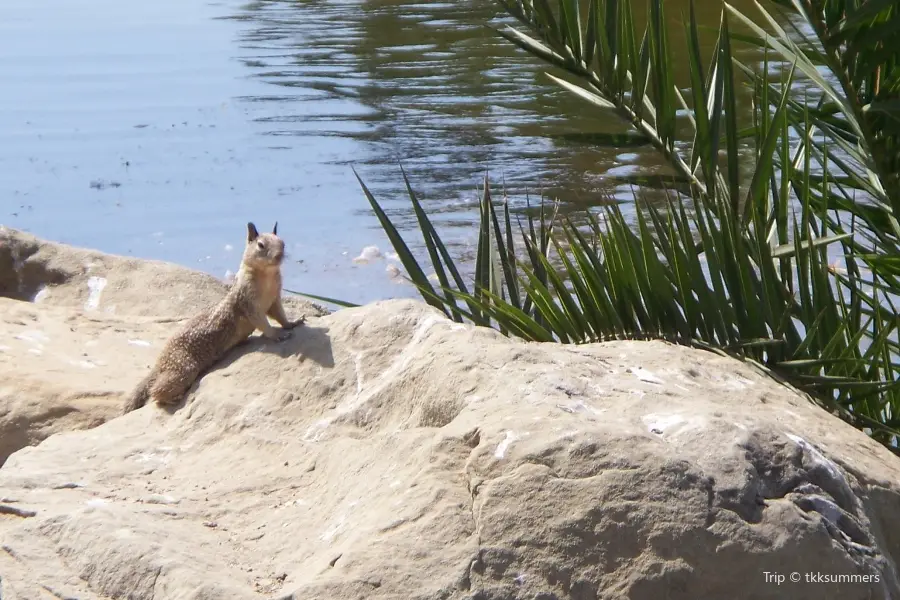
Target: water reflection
point(429, 84)
point(208, 114)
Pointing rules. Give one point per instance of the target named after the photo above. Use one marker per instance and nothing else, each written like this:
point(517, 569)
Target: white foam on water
point(368, 254)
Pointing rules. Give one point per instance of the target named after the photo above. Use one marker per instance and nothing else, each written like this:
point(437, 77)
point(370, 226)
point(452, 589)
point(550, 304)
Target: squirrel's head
point(263, 250)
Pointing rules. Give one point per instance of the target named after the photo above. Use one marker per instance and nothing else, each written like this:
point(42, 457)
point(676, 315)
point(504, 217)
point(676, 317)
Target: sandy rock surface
point(384, 452)
point(77, 327)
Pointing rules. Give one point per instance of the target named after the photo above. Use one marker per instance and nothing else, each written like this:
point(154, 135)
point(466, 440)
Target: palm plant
point(745, 269)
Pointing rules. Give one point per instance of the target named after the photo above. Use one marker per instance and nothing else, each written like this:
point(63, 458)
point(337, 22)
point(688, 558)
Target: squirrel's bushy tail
point(139, 396)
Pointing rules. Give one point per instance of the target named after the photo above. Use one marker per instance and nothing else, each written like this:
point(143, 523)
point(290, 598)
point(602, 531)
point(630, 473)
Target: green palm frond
point(742, 263)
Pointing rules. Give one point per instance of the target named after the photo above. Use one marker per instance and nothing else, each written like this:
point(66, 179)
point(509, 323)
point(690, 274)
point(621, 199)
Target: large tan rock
point(385, 453)
point(52, 274)
point(78, 326)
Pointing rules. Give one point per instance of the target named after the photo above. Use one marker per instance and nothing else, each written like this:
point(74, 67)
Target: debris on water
point(369, 253)
point(102, 184)
point(394, 273)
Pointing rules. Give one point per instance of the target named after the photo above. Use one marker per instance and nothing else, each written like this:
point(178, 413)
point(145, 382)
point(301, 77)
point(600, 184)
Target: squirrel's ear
point(275, 229)
point(252, 234)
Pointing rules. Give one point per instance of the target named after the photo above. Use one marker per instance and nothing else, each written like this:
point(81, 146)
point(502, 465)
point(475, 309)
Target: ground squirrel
point(254, 296)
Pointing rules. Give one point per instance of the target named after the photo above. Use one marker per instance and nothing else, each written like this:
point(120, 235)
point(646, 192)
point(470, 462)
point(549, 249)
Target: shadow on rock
point(305, 341)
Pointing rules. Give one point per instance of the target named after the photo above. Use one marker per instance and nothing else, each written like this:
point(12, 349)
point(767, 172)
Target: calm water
point(158, 129)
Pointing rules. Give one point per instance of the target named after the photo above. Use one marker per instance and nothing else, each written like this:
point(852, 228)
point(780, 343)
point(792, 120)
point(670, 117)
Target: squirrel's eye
point(261, 245)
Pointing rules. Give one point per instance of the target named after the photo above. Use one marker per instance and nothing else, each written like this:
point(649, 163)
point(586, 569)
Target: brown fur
point(254, 296)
